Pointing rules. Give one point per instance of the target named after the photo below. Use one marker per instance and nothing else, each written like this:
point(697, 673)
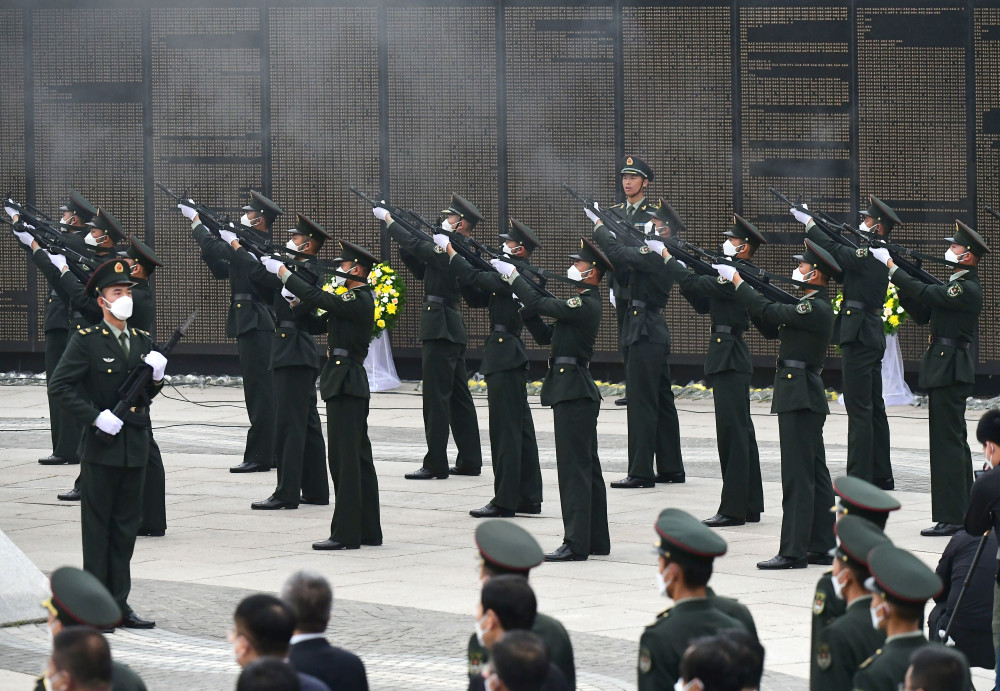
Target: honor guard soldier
point(350, 320)
point(517, 484)
point(576, 402)
point(800, 403)
point(859, 331)
point(687, 552)
point(901, 584)
point(653, 427)
point(294, 364)
point(445, 394)
point(948, 369)
point(851, 639)
point(508, 549)
point(96, 363)
point(251, 323)
point(729, 367)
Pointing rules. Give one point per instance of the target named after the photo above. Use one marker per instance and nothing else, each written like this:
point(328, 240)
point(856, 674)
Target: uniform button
point(942, 353)
point(635, 312)
point(109, 371)
point(789, 375)
point(499, 340)
point(718, 340)
point(337, 362)
point(282, 335)
point(428, 308)
point(560, 370)
point(238, 305)
point(848, 311)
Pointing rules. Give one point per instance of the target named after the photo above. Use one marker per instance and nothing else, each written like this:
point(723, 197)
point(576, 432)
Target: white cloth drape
point(379, 365)
point(894, 388)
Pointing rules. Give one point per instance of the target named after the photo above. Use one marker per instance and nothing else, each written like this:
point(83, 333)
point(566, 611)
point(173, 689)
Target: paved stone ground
point(406, 607)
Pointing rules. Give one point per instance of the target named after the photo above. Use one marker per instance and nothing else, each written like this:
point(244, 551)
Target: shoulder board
point(954, 289)
point(348, 296)
point(617, 206)
point(642, 207)
point(664, 614)
point(804, 307)
point(574, 301)
point(861, 252)
point(144, 333)
point(644, 249)
point(870, 660)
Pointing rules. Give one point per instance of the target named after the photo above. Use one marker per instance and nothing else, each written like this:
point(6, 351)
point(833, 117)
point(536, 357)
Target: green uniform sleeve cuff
point(892, 270)
point(195, 224)
point(284, 277)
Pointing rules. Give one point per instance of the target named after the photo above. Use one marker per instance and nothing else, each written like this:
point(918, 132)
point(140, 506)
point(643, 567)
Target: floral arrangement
point(390, 296)
point(893, 314)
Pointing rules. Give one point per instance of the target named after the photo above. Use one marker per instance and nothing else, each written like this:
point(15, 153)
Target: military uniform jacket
point(94, 360)
point(503, 350)
point(648, 283)
point(734, 608)
point(57, 303)
point(122, 679)
point(350, 320)
point(952, 310)
point(430, 264)
point(804, 329)
point(553, 635)
point(717, 298)
point(841, 647)
point(84, 310)
point(865, 280)
point(886, 669)
point(572, 335)
point(621, 277)
point(245, 314)
point(826, 605)
point(664, 641)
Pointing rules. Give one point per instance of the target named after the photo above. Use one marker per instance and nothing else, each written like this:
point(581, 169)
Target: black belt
point(723, 329)
point(244, 296)
point(288, 325)
point(855, 305)
point(579, 362)
point(441, 301)
point(643, 305)
point(951, 342)
point(340, 352)
point(799, 364)
point(501, 328)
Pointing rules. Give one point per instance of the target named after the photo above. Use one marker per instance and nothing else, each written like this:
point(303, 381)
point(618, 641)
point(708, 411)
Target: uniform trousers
point(807, 493)
point(517, 475)
point(951, 458)
point(867, 425)
point(64, 428)
point(302, 452)
point(582, 493)
point(254, 349)
point(742, 487)
point(355, 484)
point(448, 403)
point(653, 427)
point(154, 506)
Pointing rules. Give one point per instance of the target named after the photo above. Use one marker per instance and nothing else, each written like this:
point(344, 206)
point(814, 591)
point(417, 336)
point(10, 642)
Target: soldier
point(343, 384)
point(728, 367)
point(850, 639)
point(859, 331)
point(687, 551)
point(294, 365)
point(98, 360)
point(570, 390)
point(901, 584)
point(800, 402)
point(508, 549)
point(251, 323)
point(517, 483)
point(653, 427)
point(446, 398)
point(947, 370)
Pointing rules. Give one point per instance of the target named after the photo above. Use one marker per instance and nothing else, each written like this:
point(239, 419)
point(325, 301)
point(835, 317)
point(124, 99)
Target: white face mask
point(290, 245)
point(447, 226)
point(245, 220)
point(730, 250)
point(838, 587)
point(950, 256)
point(91, 240)
point(799, 276)
point(120, 308)
point(679, 685)
point(877, 618)
point(507, 250)
point(480, 632)
point(662, 583)
point(574, 273)
point(988, 453)
point(863, 228)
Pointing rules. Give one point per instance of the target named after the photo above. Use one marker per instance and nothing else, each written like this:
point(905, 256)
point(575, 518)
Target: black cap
point(349, 252)
point(310, 228)
point(819, 258)
point(80, 206)
point(863, 499)
point(508, 546)
point(636, 166)
point(464, 208)
point(745, 230)
point(684, 537)
point(969, 239)
point(142, 253)
point(110, 273)
point(881, 212)
point(663, 211)
point(901, 576)
point(263, 205)
point(80, 598)
point(856, 538)
point(104, 220)
point(521, 234)
point(589, 252)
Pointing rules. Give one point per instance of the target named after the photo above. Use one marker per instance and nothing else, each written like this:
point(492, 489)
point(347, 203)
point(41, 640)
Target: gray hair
point(310, 596)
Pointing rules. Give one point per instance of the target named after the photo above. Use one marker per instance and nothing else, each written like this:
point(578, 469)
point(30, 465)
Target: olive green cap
point(969, 239)
point(464, 208)
point(682, 536)
point(521, 234)
point(856, 538)
point(310, 228)
point(111, 273)
point(881, 212)
point(349, 252)
point(263, 205)
point(819, 258)
point(589, 252)
point(900, 575)
point(142, 253)
point(861, 498)
point(663, 211)
point(508, 546)
point(79, 598)
point(106, 221)
point(745, 230)
point(80, 206)
point(636, 166)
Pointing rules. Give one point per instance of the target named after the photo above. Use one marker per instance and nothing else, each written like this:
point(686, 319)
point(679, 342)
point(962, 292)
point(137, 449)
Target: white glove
point(158, 362)
point(591, 215)
point(108, 422)
point(441, 240)
point(189, 212)
point(882, 254)
point(11, 211)
point(505, 268)
point(656, 246)
point(290, 296)
point(380, 213)
point(57, 260)
point(271, 264)
point(611, 297)
point(228, 236)
point(24, 236)
point(800, 216)
point(727, 271)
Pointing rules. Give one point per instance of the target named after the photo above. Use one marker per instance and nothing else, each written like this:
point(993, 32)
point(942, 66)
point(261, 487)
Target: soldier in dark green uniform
point(687, 552)
point(98, 359)
point(507, 548)
point(947, 370)
point(653, 427)
point(251, 323)
point(350, 319)
point(850, 639)
point(859, 331)
point(901, 584)
point(570, 390)
point(800, 403)
point(446, 398)
point(302, 474)
point(517, 483)
point(728, 367)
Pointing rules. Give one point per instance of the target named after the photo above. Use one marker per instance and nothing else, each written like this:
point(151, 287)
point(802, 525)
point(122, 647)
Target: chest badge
point(804, 307)
point(954, 290)
point(574, 301)
point(108, 359)
point(862, 252)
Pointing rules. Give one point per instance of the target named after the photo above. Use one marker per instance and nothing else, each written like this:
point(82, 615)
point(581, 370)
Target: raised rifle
point(833, 229)
point(613, 221)
point(50, 238)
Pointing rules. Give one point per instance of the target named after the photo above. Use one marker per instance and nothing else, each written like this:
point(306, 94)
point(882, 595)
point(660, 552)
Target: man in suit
point(310, 596)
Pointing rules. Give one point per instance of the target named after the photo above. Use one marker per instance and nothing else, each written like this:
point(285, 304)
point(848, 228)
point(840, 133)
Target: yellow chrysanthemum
point(380, 323)
point(391, 309)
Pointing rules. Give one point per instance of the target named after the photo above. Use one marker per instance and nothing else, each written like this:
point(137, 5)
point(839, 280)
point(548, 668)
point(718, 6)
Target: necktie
point(630, 212)
point(123, 340)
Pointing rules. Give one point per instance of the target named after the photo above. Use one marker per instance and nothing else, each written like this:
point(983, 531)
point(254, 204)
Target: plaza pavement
point(406, 607)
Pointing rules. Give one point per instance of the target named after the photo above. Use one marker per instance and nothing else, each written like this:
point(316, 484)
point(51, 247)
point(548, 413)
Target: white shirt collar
point(302, 637)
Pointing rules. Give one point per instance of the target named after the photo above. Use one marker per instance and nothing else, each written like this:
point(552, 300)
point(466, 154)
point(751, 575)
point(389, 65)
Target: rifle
point(52, 241)
point(833, 229)
point(612, 219)
point(992, 212)
point(760, 280)
point(898, 252)
point(132, 392)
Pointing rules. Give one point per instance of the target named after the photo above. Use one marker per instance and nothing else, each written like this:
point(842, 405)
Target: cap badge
point(119, 268)
point(628, 161)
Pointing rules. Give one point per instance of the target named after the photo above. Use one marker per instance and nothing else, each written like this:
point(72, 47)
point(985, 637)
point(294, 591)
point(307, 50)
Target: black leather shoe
point(675, 478)
point(564, 553)
point(152, 533)
point(629, 482)
point(424, 474)
point(333, 544)
point(886, 483)
point(58, 460)
point(819, 558)
point(621, 401)
point(72, 495)
point(249, 468)
point(491, 510)
point(780, 562)
point(941, 530)
point(455, 471)
point(271, 504)
point(722, 521)
point(371, 543)
point(753, 517)
point(318, 502)
point(528, 508)
point(134, 621)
